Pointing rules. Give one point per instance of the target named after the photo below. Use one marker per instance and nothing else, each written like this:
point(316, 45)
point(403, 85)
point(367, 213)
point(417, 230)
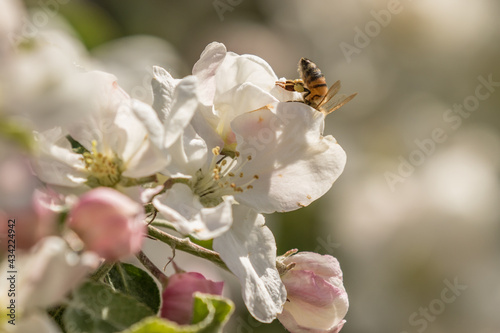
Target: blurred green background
point(412, 213)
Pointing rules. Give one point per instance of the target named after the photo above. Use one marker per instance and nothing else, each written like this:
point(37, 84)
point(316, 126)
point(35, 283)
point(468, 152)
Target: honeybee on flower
point(315, 89)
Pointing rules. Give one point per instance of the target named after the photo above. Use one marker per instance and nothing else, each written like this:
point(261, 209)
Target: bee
point(316, 93)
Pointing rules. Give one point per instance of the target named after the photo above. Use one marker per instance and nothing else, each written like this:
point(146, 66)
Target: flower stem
point(157, 273)
point(184, 244)
point(162, 224)
point(102, 271)
point(128, 182)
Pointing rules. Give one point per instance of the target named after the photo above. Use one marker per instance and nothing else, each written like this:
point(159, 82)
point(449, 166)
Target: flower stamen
point(223, 178)
point(103, 169)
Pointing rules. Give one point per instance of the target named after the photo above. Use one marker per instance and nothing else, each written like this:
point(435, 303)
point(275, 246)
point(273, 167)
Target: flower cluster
point(83, 163)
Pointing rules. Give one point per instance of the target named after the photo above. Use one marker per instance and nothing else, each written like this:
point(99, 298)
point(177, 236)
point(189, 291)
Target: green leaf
point(159, 325)
point(57, 313)
point(137, 283)
point(210, 315)
point(212, 312)
point(207, 244)
point(76, 146)
point(96, 308)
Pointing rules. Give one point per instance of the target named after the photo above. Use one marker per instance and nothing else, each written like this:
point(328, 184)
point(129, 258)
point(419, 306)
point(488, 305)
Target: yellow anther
point(103, 169)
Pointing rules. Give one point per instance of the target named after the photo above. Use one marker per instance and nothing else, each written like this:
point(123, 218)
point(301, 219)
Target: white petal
point(126, 135)
point(244, 98)
point(206, 68)
point(146, 161)
point(150, 156)
point(111, 123)
point(238, 69)
point(147, 194)
point(291, 325)
point(150, 120)
point(182, 208)
point(56, 164)
point(125, 127)
point(284, 95)
point(313, 301)
point(217, 220)
point(184, 105)
point(163, 85)
point(295, 164)
point(189, 154)
point(249, 250)
point(204, 123)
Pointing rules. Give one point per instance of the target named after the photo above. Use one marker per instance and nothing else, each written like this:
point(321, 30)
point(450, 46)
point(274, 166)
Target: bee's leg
point(288, 85)
point(298, 86)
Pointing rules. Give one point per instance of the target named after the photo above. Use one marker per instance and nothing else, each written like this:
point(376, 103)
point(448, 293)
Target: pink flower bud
point(109, 223)
point(178, 297)
point(316, 299)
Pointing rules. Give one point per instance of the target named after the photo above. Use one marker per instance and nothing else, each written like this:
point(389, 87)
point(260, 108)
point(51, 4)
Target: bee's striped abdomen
point(314, 81)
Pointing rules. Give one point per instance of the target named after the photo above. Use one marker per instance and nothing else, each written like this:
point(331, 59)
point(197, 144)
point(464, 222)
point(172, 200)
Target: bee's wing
point(332, 101)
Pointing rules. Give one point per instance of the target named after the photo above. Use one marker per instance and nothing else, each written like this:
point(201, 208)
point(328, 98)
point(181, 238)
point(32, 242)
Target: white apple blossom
point(231, 85)
point(226, 142)
point(245, 144)
point(266, 154)
point(176, 102)
point(122, 138)
point(249, 250)
point(276, 143)
point(180, 206)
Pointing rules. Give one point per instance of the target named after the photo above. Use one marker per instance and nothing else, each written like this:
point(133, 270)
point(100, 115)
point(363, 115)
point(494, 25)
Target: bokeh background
point(404, 221)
